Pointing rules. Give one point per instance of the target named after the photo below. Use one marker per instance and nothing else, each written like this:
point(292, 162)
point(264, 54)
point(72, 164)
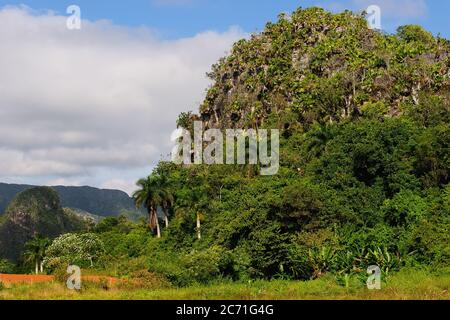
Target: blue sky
point(181, 18)
point(100, 103)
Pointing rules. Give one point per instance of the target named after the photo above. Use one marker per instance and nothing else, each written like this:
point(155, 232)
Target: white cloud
point(73, 102)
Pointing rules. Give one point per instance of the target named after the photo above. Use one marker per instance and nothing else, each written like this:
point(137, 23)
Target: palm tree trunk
point(36, 267)
point(150, 219)
point(158, 230)
point(41, 266)
point(166, 217)
point(199, 226)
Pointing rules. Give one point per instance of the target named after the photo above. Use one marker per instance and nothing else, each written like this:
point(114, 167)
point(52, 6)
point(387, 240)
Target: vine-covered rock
point(36, 211)
point(317, 67)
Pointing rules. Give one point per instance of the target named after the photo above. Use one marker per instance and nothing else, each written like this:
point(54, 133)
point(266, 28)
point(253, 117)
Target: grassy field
point(402, 286)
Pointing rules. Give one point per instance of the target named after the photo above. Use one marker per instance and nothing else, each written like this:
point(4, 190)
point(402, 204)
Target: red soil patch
point(25, 278)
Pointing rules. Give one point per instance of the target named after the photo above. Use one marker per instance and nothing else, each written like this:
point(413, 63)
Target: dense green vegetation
point(364, 151)
point(34, 212)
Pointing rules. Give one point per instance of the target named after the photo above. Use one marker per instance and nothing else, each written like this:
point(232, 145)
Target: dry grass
point(408, 285)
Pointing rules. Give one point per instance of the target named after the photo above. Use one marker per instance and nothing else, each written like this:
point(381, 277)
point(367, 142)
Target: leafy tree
point(184, 120)
point(406, 208)
point(106, 224)
point(35, 251)
point(166, 196)
point(80, 249)
point(149, 196)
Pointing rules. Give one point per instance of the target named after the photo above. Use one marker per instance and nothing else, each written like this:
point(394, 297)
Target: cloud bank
point(97, 105)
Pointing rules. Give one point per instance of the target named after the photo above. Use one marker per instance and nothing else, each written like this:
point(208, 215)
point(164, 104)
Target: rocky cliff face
point(317, 67)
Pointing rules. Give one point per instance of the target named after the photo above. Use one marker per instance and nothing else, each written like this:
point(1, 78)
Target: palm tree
point(166, 196)
point(149, 196)
point(35, 252)
point(199, 203)
point(318, 140)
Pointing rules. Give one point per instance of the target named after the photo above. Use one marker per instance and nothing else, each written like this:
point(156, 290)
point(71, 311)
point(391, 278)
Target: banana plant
point(321, 260)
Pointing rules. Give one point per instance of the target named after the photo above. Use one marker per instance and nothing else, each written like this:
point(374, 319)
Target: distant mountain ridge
point(100, 202)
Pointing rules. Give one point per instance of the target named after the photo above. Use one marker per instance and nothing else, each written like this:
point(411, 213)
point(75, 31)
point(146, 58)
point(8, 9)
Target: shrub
point(321, 260)
point(126, 266)
point(6, 266)
point(298, 266)
point(411, 33)
point(60, 272)
point(144, 279)
point(203, 266)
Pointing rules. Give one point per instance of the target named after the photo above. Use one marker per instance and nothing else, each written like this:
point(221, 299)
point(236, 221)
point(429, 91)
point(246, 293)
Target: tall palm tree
point(35, 252)
point(166, 196)
point(149, 196)
point(198, 204)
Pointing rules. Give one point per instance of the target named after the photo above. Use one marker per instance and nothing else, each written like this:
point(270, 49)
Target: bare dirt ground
point(24, 278)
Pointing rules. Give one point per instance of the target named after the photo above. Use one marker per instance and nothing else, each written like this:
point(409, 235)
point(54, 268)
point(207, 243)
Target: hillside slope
point(92, 200)
point(364, 126)
point(35, 211)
